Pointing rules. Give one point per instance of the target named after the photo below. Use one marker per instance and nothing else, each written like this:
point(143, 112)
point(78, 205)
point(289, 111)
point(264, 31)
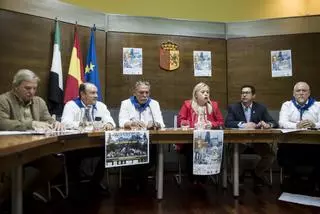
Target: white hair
point(24, 75)
point(141, 82)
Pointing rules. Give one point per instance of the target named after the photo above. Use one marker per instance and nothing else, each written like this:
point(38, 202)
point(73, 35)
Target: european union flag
point(91, 71)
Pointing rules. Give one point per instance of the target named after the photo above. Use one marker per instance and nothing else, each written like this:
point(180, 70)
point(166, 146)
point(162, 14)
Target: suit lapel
point(253, 112)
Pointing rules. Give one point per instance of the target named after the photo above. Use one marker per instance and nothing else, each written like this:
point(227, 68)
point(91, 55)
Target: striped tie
point(88, 115)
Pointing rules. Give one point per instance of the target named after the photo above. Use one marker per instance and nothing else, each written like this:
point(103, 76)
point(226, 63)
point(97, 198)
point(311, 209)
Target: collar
point(139, 107)
point(244, 107)
point(304, 107)
point(80, 104)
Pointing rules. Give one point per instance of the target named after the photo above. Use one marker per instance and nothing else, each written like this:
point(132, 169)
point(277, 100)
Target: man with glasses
point(302, 111)
point(249, 114)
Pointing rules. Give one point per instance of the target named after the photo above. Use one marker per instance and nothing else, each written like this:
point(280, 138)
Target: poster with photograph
point(207, 151)
point(281, 63)
point(124, 148)
point(202, 63)
point(132, 61)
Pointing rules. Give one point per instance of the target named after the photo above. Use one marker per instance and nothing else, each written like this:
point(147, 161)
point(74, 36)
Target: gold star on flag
point(87, 70)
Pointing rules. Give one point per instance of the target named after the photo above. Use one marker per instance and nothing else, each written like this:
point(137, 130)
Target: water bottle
point(83, 119)
point(201, 123)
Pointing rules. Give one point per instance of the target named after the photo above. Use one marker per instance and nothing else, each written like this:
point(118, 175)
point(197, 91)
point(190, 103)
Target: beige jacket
point(10, 112)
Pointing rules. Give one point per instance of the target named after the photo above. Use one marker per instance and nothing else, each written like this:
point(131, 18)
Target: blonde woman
point(199, 112)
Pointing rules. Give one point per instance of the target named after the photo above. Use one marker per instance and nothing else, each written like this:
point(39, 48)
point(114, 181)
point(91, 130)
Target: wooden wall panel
point(26, 42)
point(249, 63)
point(169, 88)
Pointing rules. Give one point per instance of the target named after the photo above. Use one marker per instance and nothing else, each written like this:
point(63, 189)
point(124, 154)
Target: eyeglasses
point(245, 92)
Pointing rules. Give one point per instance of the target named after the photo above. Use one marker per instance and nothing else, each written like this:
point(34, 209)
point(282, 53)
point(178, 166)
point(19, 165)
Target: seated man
point(141, 112)
point(87, 108)
point(300, 112)
point(21, 110)
point(249, 114)
point(86, 103)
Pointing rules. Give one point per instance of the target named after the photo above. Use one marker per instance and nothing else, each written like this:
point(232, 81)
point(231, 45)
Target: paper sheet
point(300, 199)
point(33, 132)
point(291, 130)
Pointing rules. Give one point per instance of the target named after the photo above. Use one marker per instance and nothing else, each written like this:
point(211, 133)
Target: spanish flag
point(75, 74)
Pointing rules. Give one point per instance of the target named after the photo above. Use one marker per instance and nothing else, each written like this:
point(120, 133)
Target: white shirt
point(247, 114)
point(72, 114)
point(128, 113)
point(290, 115)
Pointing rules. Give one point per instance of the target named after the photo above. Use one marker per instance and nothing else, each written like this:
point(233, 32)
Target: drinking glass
point(98, 126)
point(185, 124)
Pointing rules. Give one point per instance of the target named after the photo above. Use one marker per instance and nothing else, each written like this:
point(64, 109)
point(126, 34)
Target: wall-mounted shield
point(169, 56)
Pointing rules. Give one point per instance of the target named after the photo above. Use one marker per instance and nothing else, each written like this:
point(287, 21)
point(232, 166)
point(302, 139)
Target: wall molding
point(132, 24)
point(283, 26)
point(70, 14)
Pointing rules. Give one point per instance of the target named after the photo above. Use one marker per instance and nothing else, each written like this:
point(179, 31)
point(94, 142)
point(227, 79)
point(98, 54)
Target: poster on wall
point(132, 61)
point(125, 148)
point(202, 63)
point(207, 151)
point(281, 63)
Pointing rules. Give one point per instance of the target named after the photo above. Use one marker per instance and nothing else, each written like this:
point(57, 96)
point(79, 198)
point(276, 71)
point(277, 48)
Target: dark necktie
point(87, 114)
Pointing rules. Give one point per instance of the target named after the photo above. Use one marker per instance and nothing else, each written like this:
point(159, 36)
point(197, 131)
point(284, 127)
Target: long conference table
point(17, 150)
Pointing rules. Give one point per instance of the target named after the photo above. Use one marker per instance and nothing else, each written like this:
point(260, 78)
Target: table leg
point(235, 170)
point(17, 190)
point(160, 172)
point(225, 170)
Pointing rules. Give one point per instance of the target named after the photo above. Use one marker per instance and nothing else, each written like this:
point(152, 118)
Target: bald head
point(301, 92)
point(301, 84)
point(88, 93)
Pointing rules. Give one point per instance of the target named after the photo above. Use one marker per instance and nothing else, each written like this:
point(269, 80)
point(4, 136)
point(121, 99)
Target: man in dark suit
point(248, 114)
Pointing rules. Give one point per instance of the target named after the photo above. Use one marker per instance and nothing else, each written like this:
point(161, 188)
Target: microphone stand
point(153, 121)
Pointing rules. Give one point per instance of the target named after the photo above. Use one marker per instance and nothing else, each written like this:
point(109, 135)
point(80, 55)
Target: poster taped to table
point(207, 151)
point(125, 148)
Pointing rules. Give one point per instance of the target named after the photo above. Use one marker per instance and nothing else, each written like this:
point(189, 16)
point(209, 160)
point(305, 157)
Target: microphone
point(153, 121)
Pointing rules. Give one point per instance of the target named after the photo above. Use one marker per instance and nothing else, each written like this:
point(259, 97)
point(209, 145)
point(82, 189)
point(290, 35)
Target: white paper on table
point(300, 199)
point(16, 132)
point(37, 132)
point(291, 130)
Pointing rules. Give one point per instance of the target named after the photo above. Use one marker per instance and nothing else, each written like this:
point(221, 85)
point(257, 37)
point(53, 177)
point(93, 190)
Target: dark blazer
point(258, 112)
